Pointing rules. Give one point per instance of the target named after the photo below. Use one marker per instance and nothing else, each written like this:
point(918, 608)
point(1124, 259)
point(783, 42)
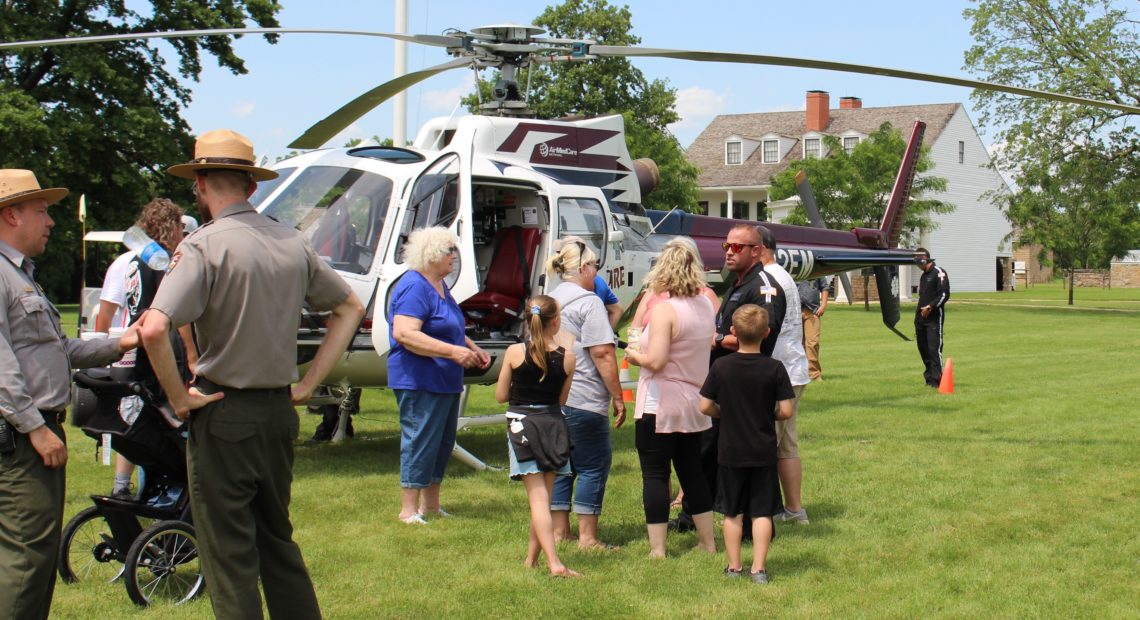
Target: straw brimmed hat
point(222, 149)
point(18, 186)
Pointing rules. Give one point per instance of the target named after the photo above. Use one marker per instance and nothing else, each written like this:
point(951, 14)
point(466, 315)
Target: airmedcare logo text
point(546, 150)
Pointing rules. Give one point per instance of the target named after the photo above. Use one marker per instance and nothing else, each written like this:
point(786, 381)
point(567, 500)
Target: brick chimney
point(850, 103)
point(818, 103)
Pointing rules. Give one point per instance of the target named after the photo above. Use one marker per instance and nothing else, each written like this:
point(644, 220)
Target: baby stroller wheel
point(87, 551)
point(162, 565)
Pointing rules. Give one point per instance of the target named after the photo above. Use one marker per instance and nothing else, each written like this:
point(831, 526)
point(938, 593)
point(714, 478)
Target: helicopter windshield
point(265, 188)
point(340, 211)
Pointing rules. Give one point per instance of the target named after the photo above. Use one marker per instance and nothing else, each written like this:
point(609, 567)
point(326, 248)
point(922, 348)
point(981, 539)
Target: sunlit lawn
point(1016, 496)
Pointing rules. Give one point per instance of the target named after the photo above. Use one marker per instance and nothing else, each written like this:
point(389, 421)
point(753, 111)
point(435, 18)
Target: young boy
point(748, 391)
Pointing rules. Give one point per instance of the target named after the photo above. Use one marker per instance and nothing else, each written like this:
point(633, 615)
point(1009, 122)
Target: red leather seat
point(508, 276)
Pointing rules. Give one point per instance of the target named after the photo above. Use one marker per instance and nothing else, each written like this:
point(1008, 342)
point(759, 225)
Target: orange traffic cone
point(623, 376)
point(946, 386)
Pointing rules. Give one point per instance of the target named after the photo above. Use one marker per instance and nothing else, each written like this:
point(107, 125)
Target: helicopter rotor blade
point(336, 122)
point(426, 39)
point(807, 199)
point(807, 63)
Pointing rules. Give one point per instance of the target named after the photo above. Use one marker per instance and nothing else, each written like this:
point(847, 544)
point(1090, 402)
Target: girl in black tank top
point(535, 379)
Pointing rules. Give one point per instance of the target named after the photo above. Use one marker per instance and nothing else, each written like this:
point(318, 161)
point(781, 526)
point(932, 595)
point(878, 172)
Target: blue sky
point(302, 78)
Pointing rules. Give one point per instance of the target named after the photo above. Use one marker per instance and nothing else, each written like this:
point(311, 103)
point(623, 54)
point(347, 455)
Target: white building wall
point(968, 240)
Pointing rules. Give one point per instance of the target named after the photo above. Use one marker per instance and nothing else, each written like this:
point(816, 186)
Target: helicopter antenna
point(439, 138)
point(653, 228)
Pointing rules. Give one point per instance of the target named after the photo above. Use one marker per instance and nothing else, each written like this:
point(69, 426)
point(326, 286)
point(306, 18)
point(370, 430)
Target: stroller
point(149, 540)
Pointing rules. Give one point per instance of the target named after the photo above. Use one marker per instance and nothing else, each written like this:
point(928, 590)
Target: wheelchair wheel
point(162, 565)
point(87, 551)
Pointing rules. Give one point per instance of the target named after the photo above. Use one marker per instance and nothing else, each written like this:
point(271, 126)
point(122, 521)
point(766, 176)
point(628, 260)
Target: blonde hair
point(428, 245)
point(161, 220)
point(572, 254)
point(678, 271)
point(541, 312)
point(748, 323)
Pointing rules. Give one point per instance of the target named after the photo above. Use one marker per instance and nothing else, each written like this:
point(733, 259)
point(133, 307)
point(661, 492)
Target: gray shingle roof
point(707, 151)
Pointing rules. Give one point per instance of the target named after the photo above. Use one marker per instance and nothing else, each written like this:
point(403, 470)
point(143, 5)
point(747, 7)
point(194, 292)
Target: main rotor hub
point(507, 33)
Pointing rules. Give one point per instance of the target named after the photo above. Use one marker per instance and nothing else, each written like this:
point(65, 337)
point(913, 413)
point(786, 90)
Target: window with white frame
point(732, 153)
point(811, 148)
point(849, 144)
point(771, 151)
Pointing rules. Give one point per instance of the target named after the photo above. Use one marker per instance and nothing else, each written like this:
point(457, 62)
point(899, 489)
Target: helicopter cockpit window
point(340, 211)
point(265, 188)
point(583, 217)
point(434, 201)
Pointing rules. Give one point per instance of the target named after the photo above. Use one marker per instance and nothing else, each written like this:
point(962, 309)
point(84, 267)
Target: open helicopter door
point(439, 196)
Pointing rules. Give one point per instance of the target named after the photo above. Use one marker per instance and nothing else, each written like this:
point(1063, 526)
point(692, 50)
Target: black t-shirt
point(527, 385)
point(760, 288)
point(746, 387)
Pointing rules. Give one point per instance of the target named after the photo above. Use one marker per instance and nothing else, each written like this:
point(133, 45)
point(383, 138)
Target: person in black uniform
point(930, 315)
point(753, 285)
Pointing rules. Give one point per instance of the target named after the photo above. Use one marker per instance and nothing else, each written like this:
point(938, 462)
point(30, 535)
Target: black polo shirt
point(760, 288)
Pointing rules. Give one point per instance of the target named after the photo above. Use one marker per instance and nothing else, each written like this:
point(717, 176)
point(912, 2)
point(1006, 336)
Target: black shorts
point(754, 491)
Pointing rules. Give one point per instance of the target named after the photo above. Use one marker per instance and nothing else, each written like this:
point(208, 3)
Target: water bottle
point(148, 249)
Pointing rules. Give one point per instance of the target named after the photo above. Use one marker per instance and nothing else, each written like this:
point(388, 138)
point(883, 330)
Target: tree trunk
point(1072, 282)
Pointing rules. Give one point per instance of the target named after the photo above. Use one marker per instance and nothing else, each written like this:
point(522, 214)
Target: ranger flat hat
point(222, 149)
point(18, 185)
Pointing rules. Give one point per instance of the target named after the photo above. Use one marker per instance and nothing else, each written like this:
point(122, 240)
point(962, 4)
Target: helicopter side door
point(439, 196)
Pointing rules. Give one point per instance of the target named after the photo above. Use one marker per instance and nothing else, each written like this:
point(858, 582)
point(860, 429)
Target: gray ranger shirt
point(35, 357)
point(242, 279)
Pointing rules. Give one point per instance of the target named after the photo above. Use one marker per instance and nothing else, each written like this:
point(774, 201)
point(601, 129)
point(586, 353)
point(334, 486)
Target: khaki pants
point(31, 516)
point(811, 343)
point(240, 463)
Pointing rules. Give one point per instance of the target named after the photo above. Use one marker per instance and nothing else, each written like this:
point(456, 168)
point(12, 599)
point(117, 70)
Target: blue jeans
point(427, 436)
point(590, 460)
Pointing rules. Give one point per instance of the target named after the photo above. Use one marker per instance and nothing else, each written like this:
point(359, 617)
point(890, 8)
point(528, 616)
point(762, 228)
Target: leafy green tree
point(852, 190)
point(104, 119)
point(608, 86)
point(1077, 167)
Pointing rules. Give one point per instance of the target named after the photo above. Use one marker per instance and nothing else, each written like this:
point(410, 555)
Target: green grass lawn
point(1016, 496)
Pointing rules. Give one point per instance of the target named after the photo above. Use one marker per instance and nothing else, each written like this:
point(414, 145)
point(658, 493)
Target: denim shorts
point(518, 470)
point(590, 460)
point(427, 435)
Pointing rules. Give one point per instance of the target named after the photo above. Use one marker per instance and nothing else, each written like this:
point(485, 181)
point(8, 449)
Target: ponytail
point(541, 311)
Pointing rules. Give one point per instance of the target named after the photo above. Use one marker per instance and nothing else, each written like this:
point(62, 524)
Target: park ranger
point(241, 279)
point(35, 379)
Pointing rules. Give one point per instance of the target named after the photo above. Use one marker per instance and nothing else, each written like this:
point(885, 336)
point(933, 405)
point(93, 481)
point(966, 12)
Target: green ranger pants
point(31, 516)
point(240, 464)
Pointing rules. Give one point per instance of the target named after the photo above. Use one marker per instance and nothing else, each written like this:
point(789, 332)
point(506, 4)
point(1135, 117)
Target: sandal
point(415, 519)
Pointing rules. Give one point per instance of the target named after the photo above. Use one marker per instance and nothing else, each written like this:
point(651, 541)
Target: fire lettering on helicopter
point(798, 263)
point(616, 277)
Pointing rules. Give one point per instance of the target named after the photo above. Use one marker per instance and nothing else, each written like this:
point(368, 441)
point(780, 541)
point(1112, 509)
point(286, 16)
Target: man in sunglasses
point(752, 286)
point(789, 349)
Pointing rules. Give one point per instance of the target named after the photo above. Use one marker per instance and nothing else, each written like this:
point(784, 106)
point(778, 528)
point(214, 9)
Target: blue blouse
point(442, 319)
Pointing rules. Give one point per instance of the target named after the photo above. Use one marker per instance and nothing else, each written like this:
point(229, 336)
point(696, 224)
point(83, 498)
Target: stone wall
point(1037, 273)
point(1125, 275)
point(1090, 278)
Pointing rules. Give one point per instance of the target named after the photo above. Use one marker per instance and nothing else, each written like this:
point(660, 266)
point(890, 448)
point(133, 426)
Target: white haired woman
point(595, 387)
point(674, 360)
point(425, 368)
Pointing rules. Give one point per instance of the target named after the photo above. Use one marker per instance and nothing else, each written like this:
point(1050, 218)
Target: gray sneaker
point(760, 576)
point(799, 516)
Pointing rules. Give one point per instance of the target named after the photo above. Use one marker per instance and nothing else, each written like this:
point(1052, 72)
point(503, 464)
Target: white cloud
point(436, 101)
point(696, 106)
point(243, 109)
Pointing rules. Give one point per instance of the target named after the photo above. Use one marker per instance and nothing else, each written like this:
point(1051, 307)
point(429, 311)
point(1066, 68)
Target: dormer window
point(732, 153)
point(771, 151)
point(849, 143)
point(811, 148)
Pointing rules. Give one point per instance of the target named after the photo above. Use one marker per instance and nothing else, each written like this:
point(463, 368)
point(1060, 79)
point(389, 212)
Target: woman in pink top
point(674, 359)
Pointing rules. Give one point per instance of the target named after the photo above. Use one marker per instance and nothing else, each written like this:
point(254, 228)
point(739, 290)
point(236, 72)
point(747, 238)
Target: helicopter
point(510, 185)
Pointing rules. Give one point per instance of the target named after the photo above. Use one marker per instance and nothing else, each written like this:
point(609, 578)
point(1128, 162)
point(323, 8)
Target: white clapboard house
point(738, 154)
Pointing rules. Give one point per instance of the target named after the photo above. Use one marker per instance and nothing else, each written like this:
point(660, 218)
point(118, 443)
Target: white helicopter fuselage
point(508, 188)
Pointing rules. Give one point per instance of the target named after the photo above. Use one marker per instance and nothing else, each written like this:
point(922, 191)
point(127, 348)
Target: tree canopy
point(104, 119)
point(610, 86)
point(1076, 168)
point(852, 189)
